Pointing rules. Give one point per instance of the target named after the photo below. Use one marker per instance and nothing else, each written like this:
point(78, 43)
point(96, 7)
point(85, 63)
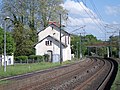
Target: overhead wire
point(89, 14)
point(84, 2)
point(78, 29)
point(99, 16)
point(112, 27)
point(97, 12)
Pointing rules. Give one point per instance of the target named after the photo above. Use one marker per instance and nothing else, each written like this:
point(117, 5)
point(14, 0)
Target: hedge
point(35, 58)
point(46, 57)
point(21, 59)
point(32, 59)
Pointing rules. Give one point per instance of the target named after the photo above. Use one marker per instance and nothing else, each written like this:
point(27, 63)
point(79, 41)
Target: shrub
point(32, 58)
point(46, 57)
point(39, 58)
point(22, 59)
point(36, 58)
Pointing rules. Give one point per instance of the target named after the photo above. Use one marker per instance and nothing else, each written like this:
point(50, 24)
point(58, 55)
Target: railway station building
point(49, 43)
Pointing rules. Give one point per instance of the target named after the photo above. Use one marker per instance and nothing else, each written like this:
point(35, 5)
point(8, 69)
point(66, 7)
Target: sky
point(95, 17)
point(91, 17)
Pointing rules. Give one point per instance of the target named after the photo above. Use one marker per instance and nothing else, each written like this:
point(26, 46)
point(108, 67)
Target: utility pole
point(5, 46)
point(80, 47)
point(77, 50)
point(119, 43)
point(114, 26)
point(110, 46)
point(61, 58)
point(108, 52)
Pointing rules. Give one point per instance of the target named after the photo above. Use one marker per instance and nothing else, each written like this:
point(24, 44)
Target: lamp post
point(5, 43)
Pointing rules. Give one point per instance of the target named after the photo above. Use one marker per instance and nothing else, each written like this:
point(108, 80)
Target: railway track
point(91, 74)
point(99, 80)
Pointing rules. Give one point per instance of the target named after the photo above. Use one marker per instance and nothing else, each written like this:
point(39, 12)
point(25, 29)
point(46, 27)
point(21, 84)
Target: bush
point(32, 58)
point(21, 59)
point(35, 58)
point(46, 57)
point(39, 58)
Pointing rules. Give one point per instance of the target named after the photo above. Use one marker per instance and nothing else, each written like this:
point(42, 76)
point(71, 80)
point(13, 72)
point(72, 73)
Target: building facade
point(49, 43)
point(8, 59)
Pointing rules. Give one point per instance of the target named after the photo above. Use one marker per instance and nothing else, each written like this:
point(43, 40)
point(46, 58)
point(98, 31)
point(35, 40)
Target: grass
point(4, 82)
point(115, 85)
point(18, 69)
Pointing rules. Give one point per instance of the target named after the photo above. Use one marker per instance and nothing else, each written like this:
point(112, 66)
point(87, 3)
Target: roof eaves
point(52, 38)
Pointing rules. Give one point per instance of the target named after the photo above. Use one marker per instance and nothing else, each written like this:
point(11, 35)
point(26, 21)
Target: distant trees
point(114, 46)
point(27, 16)
point(89, 40)
point(85, 41)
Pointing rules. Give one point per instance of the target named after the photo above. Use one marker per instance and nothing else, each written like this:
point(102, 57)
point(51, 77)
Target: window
point(48, 43)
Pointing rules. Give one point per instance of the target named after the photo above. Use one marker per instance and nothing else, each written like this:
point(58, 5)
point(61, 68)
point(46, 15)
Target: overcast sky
point(94, 14)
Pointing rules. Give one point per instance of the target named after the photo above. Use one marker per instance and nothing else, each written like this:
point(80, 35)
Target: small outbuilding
point(9, 60)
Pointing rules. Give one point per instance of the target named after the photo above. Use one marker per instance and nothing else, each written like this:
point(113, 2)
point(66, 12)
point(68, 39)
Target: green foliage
point(1, 40)
point(10, 44)
point(90, 39)
point(39, 58)
point(18, 69)
point(32, 57)
point(35, 58)
point(24, 42)
point(85, 41)
point(116, 83)
point(21, 59)
point(46, 57)
point(26, 17)
point(114, 46)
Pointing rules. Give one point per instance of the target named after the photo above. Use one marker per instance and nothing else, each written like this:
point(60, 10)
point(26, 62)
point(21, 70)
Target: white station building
point(49, 43)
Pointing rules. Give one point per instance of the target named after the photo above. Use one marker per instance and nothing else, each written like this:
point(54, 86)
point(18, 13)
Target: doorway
point(50, 53)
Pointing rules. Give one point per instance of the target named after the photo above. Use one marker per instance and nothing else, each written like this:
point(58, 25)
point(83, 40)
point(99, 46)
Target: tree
point(91, 40)
point(10, 45)
point(114, 45)
point(1, 40)
point(34, 13)
point(49, 10)
point(28, 16)
point(85, 41)
point(75, 43)
point(24, 45)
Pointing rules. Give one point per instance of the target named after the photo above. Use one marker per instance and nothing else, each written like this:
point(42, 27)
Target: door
point(49, 52)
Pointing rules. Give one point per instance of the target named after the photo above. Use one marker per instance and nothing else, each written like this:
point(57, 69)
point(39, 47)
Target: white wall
point(9, 60)
point(66, 54)
point(41, 48)
point(49, 31)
